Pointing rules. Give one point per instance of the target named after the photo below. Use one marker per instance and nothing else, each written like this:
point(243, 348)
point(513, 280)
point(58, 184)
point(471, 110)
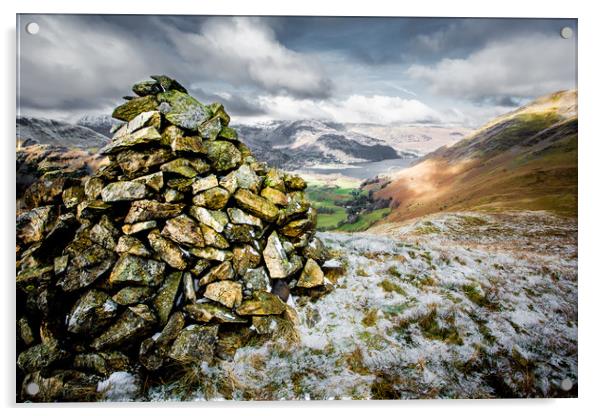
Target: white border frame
point(590, 151)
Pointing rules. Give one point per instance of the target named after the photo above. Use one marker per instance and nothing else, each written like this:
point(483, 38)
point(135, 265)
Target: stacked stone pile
point(171, 254)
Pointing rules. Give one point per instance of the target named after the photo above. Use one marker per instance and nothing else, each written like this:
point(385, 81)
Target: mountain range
point(31, 130)
point(285, 144)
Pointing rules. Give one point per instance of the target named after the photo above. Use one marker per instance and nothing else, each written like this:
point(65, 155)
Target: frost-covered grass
point(451, 306)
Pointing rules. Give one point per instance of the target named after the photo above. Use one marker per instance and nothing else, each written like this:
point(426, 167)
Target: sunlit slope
point(526, 159)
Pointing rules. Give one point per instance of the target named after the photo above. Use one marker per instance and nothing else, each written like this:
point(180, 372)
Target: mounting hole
point(32, 389)
point(566, 384)
point(32, 28)
point(566, 32)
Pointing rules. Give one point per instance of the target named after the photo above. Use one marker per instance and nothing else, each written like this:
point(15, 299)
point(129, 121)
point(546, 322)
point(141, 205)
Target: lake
point(365, 170)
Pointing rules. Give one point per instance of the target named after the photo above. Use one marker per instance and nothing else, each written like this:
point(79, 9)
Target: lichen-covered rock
point(226, 292)
point(222, 155)
point(73, 195)
point(123, 191)
point(312, 275)
point(262, 303)
point(184, 230)
point(214, 198)
point(245, 257)
point(213, 238)
point(146, 210)
point(165, 298)
point(145, 88)
point(88, 261)
point(130, 109)
point(145, 119)
point(256, 205)
point(240, 233)
point(140, 161)
point(167, 250)
point(41, 356)
point(181, 166)
point(296, 228)
point(183, 110)
point(170, 332)
point(137, 270)
point(246, 178)
point(154, 181)
point(204, 183)
point(194, 344)
point(137, 227)
point(211, 218)
point(275, 196)
point(276, 259)
point(187, 144)
point(168, 84)
point(132, 295)
point(91, 312)
point(131, 245)
point(210, 129)
point(103, 363)
point(31, 225)
point(256, 279)
point(238, 216)
point(274, 179)
point(188, 288)
point(133, 324)
point(145, 136)
point(104, 233)
point(294, 182)
point(210, 312)
point(222, 271)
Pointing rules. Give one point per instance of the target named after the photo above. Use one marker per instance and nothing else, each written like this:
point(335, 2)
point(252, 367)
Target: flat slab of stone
point(123, 191)
point(262, 303)
point(145, 136)
point(137, 270)
point(256, 205)
point(226, 292)
point(145, 210)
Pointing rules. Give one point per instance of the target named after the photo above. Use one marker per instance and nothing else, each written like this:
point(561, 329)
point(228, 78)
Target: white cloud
point(243, 49)
point(69, 64)
point(378, 109)
point(525, 66)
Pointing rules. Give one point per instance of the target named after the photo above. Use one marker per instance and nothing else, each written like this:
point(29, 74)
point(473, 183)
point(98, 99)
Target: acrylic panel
point(295, 208)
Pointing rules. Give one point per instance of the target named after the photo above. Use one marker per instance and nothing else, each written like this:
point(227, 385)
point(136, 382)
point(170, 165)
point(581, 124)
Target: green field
point(326, 196)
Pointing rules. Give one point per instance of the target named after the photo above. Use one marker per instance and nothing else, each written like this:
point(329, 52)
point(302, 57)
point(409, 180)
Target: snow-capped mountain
point(302, 143)
point(59, 133)
point(99, 123)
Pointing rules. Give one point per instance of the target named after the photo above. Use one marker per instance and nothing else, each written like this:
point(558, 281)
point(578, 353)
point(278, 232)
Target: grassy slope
point(524, 160)
point(326, 196)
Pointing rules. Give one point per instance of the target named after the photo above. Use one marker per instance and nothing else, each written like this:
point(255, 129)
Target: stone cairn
point(174, 253)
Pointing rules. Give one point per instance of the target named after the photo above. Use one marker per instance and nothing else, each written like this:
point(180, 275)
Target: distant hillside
point(526, 159)
point(58, 133)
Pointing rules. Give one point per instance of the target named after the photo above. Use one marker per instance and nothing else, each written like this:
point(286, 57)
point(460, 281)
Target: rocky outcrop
point(182, 234)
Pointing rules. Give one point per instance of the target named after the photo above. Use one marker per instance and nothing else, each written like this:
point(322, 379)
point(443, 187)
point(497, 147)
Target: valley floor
point(456, 305)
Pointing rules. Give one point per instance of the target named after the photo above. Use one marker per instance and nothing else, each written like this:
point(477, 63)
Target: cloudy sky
point(365, 70)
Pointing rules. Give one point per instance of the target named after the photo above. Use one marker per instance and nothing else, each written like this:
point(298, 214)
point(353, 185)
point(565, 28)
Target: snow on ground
point(461, 305)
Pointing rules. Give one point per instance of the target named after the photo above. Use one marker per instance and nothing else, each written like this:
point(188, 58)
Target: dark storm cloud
point(235, 104)
point(85, 61)
point(378, 40)
point(258, 66)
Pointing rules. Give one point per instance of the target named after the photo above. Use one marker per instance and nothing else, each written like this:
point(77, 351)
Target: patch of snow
point(120, 386)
